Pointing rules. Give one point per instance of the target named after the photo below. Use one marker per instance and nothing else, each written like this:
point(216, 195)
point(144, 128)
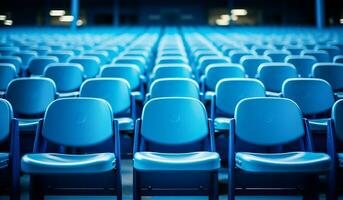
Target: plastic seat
point(297, 162)
point(116, 91)
point(171, 60)
point(313, 96)
point(170, 71)
point(251, 64)
point(205, 61)
point(14, 60)
point(9, 151)
point(224, 104)
point(303, 64)
point(266, 122)
point(101, 55)
point(62, 55)
point(68, 78)
point(177, 153)
point(273, 75)
point(90, 65)
point(320, 55)
point(174, 87)
point(236, 55)
point(338, 59)
point(80, 123)
point(7, 74)
point(277, 55)
point(331, 50)
point(294, 50)
point(9, 50)
point(30, 97)
point(38, 64)
point(129, 72)
point(332, 73)
point(26, 57)
point(136, 60)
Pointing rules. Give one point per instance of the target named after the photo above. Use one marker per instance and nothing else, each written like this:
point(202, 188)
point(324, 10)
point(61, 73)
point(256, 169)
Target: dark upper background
point(172, 12)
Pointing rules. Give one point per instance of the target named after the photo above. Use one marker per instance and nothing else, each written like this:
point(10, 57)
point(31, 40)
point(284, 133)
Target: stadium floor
point(127, 191)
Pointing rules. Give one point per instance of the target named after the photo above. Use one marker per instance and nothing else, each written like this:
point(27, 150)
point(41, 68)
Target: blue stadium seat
point(332, 73)
point(30, 97)
point(313, 96)
point(171, 71)
point(7, 74)
point(205, 61)
point(251, 64)
point(338, 59)
point(26, 57)
point(174, 87)
point(68, 78)
point(214, 73)
point(237, 55)
point(136, 60)
point(90, 64)
point(268, 122)
point(101, 55)
point(9, 152)
point(294, 50)
point(273, 75)
point(171, 60)
point(184, 154)
point(277, 55)
point(9, 50)
point(331, 50)
point(41, 50)
point(117, 92)
point(75, 123)
point(224, 103)
point(38, 64)
point(62, 55)
point(320, 55)
point(14, 60)
point(303, 64)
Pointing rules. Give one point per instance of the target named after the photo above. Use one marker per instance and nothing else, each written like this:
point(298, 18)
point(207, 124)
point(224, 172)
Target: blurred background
point(169, 12)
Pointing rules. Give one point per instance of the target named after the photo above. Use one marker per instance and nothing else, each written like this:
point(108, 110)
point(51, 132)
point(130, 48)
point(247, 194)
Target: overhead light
point(8, 22)
point(66, 18)
point(57, 13)
point(222, 22)
point(239, 12)
point(3, 17)
point(225, 17)
point(79, 22)
point(341, 21)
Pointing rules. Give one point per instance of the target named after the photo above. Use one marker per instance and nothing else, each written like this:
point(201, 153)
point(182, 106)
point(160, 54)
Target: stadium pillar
point(116, 14)
point(75, 6)
point(320, 15)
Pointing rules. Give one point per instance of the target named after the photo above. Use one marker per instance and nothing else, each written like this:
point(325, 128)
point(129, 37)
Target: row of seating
point(174, 138)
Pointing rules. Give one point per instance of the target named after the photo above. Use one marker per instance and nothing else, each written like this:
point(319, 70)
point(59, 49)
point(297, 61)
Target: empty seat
point(30, 97)
point(136, 60)
point(14, 60)
point(62, 55)
point(332, 73)
point(171, 71)
point(313, 96)
point(294, 50)
point(174, 87)
point(303, 64)
point(101, 55)
point(277, 55)
point(75, 123)
point(184, 152)
point(9, 50)
point(227, 95)
point(205, 61)
point(90, 64)
point(320, 55)
point(338, 59)
point(38, 64)
point(68, 78)
point(331, 50)
point(7, 74)
point(117, 92)
point(266, 122)
point(171, 60)
point(273, 75)
point(9, 151)
point(26, 57)
point(236, 55)
point(251, 64)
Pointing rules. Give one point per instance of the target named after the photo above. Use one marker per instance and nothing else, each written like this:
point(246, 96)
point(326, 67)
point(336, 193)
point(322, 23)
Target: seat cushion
point(222, 123)
point(291, 162)
point(53, 163)
point(273, 94)
point(194, 161)
point(68, 94)
point(318, 124)
point(28, 124)
point(125, 124)
point(4, 159)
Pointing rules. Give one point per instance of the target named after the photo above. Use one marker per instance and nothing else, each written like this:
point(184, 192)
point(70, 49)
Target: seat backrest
point(26, 56)
point(277, 55)
point(90, 64)
point(215, 72)
point(6, 115)
point(236, 55)
point(78, 122)
point(205, 61)
point(337, 116)
point(129, 72)
point(38, 64)
point(273, 75)
point(313, 96)
point(230, 91)
point(30, 96)
point(303, 64)
point(331, 72)
point(116, 91)
point(136, 60)
point(268, 121)
point(320, 55)
point(68, 77)
point(7, 73)
point(62, 55)
point(14, 60)
point(174, 121)
point(251, 63)
point(338, 59)
point(172, 72)
point(174, 87)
